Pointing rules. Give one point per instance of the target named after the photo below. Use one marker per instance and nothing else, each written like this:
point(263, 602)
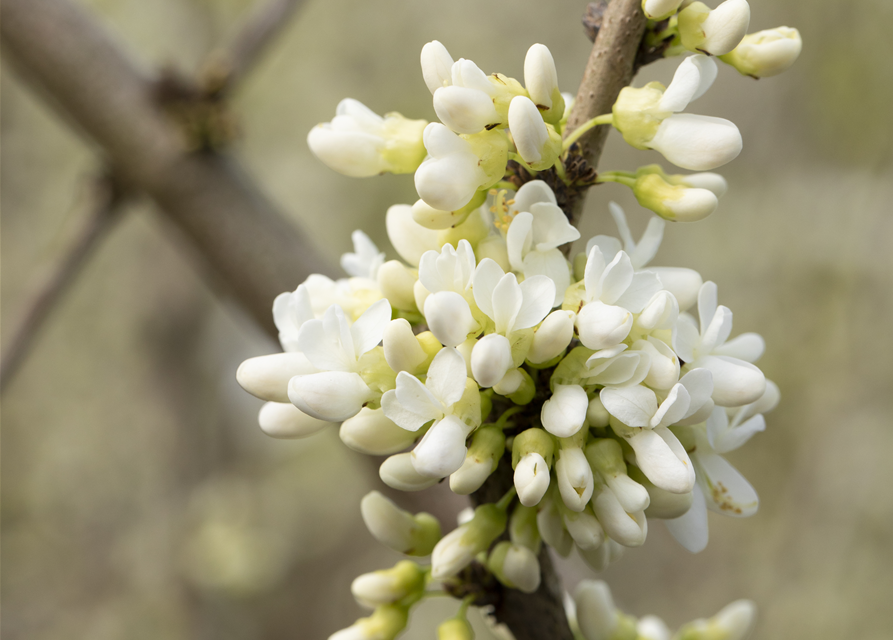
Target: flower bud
point(531, 479)
point(765, 53)
point(491, 359)
point(597, 616)
point(673, 202)
point(683, 283)
point(713, 182)
point(698, 143)
point(449, 318)
point(606, 458)
point(432, 218)
point(441, 450)
point(584, 528)
point(629, 529)
point(714, 32)
point(396, 282)
point(652, 628)
point(596, 414)
point(359, 143)
point(661, 457)
point(402, 350)
point(267, 376)
point(661, 313)
point(465, 110)
point(448, 179)
point(574, 475)
point(385, 623)
point(399, 473)
point(601, 325)
point(600, 558)
point(660, 9)
point(331, 395)
point(410, 239)
point(564, 413)
point(523, 529)
point(372, 433)
point(552, 336)
point(735, 382)
point(515, 566)
point(285, 420)
point(551, 528)
point(436, 66)
point(662, 504)
point(541, 81)
point(459, 547)
point(487, 447)
point(664, 371)
point(413, 535)
point(537, 143)
point(388, 585)
point(455, 629)
point(511, 382)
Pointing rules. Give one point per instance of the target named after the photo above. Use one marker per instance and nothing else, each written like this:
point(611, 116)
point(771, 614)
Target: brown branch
point(610, 68)
point(107, 209)
point(227, 66)
point(254, 252)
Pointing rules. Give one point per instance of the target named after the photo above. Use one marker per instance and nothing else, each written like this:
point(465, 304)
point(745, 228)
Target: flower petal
point(486, 277)
point(538, 295)
point(726, 490)
point(507, 301)
point(641, 289)
point(551, 264)
point(617, 277)
point(690, 529)
point(519, 239)
point(633, 406)
point(446, 376)
point(367, 331)
point(748, 347)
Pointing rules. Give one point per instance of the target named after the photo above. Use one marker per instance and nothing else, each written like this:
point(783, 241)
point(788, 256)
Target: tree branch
point(107, 209)
point(610, 68)
point(252, 249)
point(260, 28)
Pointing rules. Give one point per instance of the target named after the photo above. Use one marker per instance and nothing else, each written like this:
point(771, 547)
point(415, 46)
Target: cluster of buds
point(612, 388)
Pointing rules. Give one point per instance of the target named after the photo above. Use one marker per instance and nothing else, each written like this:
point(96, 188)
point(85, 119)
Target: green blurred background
point(140, 500)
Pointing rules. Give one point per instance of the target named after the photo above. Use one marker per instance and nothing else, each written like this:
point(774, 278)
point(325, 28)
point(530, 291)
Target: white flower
point(721, 488)
point(447, 276)
point(410, 239)
point(613, 293)
point(629, 529)
point(334, 347)
point(360, 143)
point(385, 623)
point(531, 479)
point(574, 475)
point(652, 628)
point(564, 413)
point(697, 142)
point(372, 433)
point(389, 585)
point(290, 311)
point(284, 420)
point(538, 227)
point(766, 53)
point(640, 253)
point(459, 547)
point(736, 381)
point(515, 566)
point(397, 529)
point(436, 66)
point(636, 406)
point(365, 260)
point(448, 179)
point(716, 31)
point(552, 336)
point(466, 104)
point(733, 622)
point(267, 377)
point(538, 145)
point(541, 82)
point(441, 399)
point(398, 472)
point(512, 307)
point(552, 529)
point(585, 529)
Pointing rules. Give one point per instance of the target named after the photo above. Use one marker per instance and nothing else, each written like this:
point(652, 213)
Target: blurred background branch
point(108, 202)
point(251, 250)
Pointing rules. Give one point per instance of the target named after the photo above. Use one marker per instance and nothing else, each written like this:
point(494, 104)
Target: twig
point(252, 249)
point(48, 295)
point(610, 68)
point(227, 66)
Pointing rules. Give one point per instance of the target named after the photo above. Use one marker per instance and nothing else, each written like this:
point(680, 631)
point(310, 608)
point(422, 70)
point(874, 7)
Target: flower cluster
point(610, 387)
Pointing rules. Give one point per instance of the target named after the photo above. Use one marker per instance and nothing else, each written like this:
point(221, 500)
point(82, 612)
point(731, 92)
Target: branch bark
point(609, 69)
point(106, 211)
point(252, 249)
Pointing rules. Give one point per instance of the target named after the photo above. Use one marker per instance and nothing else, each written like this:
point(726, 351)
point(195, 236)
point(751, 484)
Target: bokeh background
point(140, 500)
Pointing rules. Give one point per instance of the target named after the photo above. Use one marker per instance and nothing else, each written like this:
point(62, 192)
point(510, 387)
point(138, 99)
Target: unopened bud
point(715, 32)
point(564, 413)
point(386, 623)
point(285, 420)
point(396, 282)
point(331, 395)
point(491, 359)
point(413, 535)
point(766, 53)
point(399, 473)
point(459, 547)
point(537, 143)
point(601, 325)
point(674, 202)
point(541, 81)
point(388, 585)
point(660, 9)
point(267, 376)
point(552, 336)
point(515, 566)
point(373, 433)
point(487, 447)
point(455, 629)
